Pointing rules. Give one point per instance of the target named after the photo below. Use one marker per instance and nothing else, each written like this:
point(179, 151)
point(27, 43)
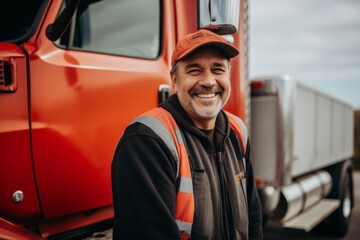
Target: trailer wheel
point(339, 221)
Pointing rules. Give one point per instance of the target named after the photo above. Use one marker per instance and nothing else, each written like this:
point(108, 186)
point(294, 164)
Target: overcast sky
point(315, 41)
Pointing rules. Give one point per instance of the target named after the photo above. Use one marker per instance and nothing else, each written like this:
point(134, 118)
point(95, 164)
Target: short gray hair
point(174, 68)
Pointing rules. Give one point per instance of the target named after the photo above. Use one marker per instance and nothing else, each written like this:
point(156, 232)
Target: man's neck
point(204, 125)
point(209, 133)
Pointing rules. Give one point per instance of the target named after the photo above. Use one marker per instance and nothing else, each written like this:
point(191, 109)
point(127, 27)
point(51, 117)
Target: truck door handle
point(164, 93)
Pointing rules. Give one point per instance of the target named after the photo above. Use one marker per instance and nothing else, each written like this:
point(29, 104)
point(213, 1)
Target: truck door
point(85, 89)
point(18, 196)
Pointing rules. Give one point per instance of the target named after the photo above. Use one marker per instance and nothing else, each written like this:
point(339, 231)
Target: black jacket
point(144, 183)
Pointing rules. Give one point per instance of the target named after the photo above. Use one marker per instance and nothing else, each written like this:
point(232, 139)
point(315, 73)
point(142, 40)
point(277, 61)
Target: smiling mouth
point(206, 92)
point(206, 95)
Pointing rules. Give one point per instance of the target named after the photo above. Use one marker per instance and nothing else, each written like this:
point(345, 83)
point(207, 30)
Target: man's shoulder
point(137, 128)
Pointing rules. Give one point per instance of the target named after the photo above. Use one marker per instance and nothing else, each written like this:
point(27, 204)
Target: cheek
point(182, 86)
point(225, 83)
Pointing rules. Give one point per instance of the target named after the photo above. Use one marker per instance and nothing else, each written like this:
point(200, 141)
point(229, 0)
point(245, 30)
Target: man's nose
point(208, 79)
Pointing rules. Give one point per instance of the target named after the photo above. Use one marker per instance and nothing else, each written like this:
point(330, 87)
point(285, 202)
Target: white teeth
point(206, 95)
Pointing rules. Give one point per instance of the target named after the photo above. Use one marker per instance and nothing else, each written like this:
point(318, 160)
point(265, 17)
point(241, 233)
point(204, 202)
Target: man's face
point(202, 83)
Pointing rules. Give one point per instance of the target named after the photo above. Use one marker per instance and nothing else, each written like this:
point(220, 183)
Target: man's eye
point(194, 71)
point(218, 70)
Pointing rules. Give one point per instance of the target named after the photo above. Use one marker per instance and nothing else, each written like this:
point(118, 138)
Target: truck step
point(312, 216)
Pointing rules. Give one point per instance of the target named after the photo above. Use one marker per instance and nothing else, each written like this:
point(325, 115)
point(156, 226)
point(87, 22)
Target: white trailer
point(302, 145)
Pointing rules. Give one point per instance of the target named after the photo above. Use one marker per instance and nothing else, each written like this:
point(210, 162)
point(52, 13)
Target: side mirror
point(219, 16)
point(55, 30)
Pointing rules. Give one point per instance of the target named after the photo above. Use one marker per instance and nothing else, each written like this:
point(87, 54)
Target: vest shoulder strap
point(240, 129)
point(165, 126)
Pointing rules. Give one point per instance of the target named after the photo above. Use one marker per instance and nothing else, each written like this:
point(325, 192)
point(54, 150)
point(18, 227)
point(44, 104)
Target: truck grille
point(264, 147)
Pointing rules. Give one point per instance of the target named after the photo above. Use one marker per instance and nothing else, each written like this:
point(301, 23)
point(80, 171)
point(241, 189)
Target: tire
point(342, 190)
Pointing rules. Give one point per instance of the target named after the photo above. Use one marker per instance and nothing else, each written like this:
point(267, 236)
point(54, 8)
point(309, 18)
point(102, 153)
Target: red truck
point(65, 102)
point(73, 74)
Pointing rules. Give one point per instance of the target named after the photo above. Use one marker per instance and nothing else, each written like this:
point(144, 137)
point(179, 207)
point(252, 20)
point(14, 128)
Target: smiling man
point(202, 84)
point(182, 170)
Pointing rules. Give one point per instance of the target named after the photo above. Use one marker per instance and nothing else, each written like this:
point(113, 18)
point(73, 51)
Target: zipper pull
point(219, 157)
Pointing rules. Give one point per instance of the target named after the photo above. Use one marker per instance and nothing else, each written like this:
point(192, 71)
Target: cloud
point(313, 40)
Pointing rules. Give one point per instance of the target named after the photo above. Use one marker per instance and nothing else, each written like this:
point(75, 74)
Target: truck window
point(127, 27)
point(20, 19)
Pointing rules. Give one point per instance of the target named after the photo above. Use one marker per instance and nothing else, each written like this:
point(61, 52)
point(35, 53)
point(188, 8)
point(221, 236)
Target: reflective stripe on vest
point(240, 129)
point(164, 125)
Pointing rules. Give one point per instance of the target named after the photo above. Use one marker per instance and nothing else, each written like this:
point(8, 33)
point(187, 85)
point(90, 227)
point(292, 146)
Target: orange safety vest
point(164, 125)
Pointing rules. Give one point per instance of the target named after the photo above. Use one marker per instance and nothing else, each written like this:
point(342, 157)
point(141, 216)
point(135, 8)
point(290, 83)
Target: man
point(182, 171)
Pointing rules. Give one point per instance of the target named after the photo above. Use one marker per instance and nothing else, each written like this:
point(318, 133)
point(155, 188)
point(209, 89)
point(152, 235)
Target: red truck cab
point(64, 103)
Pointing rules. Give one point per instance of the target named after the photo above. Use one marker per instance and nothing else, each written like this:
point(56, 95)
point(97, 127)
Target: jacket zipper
point(224, 194)
point(223, 190)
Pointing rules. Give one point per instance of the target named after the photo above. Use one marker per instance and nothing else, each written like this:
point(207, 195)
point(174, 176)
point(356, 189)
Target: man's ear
point(173, 81)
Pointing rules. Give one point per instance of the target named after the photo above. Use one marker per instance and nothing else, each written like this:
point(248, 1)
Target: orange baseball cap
point(201, 38)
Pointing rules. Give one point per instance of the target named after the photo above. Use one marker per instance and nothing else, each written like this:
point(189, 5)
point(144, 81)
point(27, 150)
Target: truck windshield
point(20, 19)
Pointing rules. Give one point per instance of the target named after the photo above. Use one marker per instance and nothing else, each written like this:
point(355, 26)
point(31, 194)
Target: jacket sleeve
point(254, 205)
point(144, 188)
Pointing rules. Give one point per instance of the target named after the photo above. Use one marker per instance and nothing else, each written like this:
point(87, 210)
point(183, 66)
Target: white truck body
point(301, 140)
point(323, 131)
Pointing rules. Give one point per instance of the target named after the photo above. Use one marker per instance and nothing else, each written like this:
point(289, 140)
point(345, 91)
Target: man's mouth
point(206, 95)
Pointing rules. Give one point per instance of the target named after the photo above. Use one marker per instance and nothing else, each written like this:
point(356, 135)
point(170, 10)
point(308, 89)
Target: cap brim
point(229, 50)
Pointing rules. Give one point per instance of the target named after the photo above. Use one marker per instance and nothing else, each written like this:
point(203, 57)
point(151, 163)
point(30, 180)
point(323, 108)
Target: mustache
point(204, 90)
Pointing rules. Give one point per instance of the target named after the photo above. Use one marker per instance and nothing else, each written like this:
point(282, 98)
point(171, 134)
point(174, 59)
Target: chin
point(208, 114)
